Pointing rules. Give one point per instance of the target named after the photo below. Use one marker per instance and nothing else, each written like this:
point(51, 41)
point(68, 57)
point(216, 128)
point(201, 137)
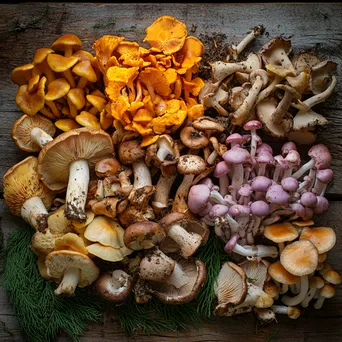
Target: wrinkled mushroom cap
point(324, 238)
point(114, 287)
point(130, 152)
point(21, 182)
point(280, 274)
point(78, 144)
point(21, 131)
point(71, 241)
point(58, 261)
point(300, 257)
point(108, 253)
point(230, 287)
point(281, 232)
point(195, 273)
point(143, 235)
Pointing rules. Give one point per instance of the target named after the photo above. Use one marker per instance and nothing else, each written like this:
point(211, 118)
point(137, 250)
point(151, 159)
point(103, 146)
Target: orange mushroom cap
point(119, 74)
point(41, 54)
point(190, 54)
point(281, 232)
point(67, 41)
point(31, 103)
point(60, 63)
point(154, 78)
point(84, 56)
point(67, 125)
point(57, 89)
point(76, 96)
point(166, 34)
point(88, 120)
point(85, 69)
point(22, 74)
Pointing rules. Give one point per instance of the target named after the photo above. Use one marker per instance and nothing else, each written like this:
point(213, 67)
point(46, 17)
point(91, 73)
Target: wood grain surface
point(26, 27)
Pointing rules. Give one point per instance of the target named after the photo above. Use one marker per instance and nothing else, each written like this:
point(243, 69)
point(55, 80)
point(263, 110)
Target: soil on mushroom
point(215, 49)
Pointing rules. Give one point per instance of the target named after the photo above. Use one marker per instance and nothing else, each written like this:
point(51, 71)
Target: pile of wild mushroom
point(125, 202)
point(274, 86)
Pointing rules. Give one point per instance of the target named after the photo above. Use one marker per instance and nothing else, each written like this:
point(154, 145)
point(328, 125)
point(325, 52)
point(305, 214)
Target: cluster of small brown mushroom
point(271, 86)
point(256, 284)
point(63, 84)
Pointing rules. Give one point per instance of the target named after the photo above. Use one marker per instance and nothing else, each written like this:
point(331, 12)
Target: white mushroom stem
point(270, 88)
point(77, 190)
point(188, 242)
point(305, 302)
point(280, 309)
point(256, 251)
point(69, 282)
point(224, 183)
point(212, 158)
point(306, 167)
point(314, 100)
point(34, 213)
point(283, 106)
point(220, 70)
point(216, 197)
point(164, 150)
point(237, 179)
point(142, 175)
point(245, 41)
point(304, 287)
point(40, 137)
point(178, 277)
point(284, 288)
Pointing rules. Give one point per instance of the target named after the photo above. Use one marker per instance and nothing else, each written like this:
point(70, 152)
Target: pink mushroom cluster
point(251, 188)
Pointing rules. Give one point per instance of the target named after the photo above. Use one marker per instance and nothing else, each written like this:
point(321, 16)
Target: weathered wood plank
point(26, 27)
point(314, 325)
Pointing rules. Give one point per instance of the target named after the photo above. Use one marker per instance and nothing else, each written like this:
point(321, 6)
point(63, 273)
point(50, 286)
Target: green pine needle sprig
point(41, 314)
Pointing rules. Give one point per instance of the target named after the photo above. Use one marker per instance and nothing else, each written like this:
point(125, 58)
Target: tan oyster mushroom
point(25, 195)
point(256, 271)
point(72, 268)
point(66, 162)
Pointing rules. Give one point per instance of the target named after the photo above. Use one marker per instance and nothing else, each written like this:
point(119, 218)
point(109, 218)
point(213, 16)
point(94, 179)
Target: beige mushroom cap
point(256, 272)
point(230, 287)
point(82, 143)
point(143, 235)
point(281, 232)
point(57, 222)
point(324, 238)
point(191, 164)
point(300, 257)
point(108, 253)
point(280, 274)
point(44, 243)
point(21, 182)
point(58, 261)
point(71, 241)
point(21, 131)
point(105, 231)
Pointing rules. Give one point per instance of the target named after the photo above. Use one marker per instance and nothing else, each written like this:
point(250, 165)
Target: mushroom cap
point(86, 70)
point(105, 231)
point(236, 155)
point(166, 34)
point(21, 182)
point(78, 144)
point(253, 124)
point(324, 238)
point(71, 241)
point(191, 226)
point(58, 261)
point(325, 176)
point(60, 63)
point(21, 74)
point(114, 287)
point(192, 138)
point(44, 242)
point(259, 73)
point(195, 273)
point(260, 208)
point(190, 164)
point(107, 167)
point(327, 291)
point(256, 272)
point(56, 89)
point(261, 183)
point(308, 199)
point(320, 153)
point(230, 287)
point(205, 123)
point(290, 184)
point(108, 253)
point(320, 76)
point(265, 109)
point(58, 223)
point(67, 40)
point(198, 197)
point(130, 152)
point(143, 235)
point(280, 274)
point(155, 78)
point(300, 257)
point(332, 277)
point(281, 232)
point(277, 195)
point(21, 131)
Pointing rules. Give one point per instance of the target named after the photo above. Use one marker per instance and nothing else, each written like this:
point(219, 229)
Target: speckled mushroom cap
point(21, 131)
point(21, 182)
point(195, 273)
point(78, 144)
point(230, 287)
point(190, 164)
point(130, 152)
point(58, 261)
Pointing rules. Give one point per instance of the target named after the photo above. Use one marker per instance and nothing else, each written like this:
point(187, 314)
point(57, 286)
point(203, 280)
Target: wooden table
point(26, 27)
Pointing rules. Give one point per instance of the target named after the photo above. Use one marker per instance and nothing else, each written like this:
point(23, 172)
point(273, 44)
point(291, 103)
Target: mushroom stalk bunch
point(251, 188)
